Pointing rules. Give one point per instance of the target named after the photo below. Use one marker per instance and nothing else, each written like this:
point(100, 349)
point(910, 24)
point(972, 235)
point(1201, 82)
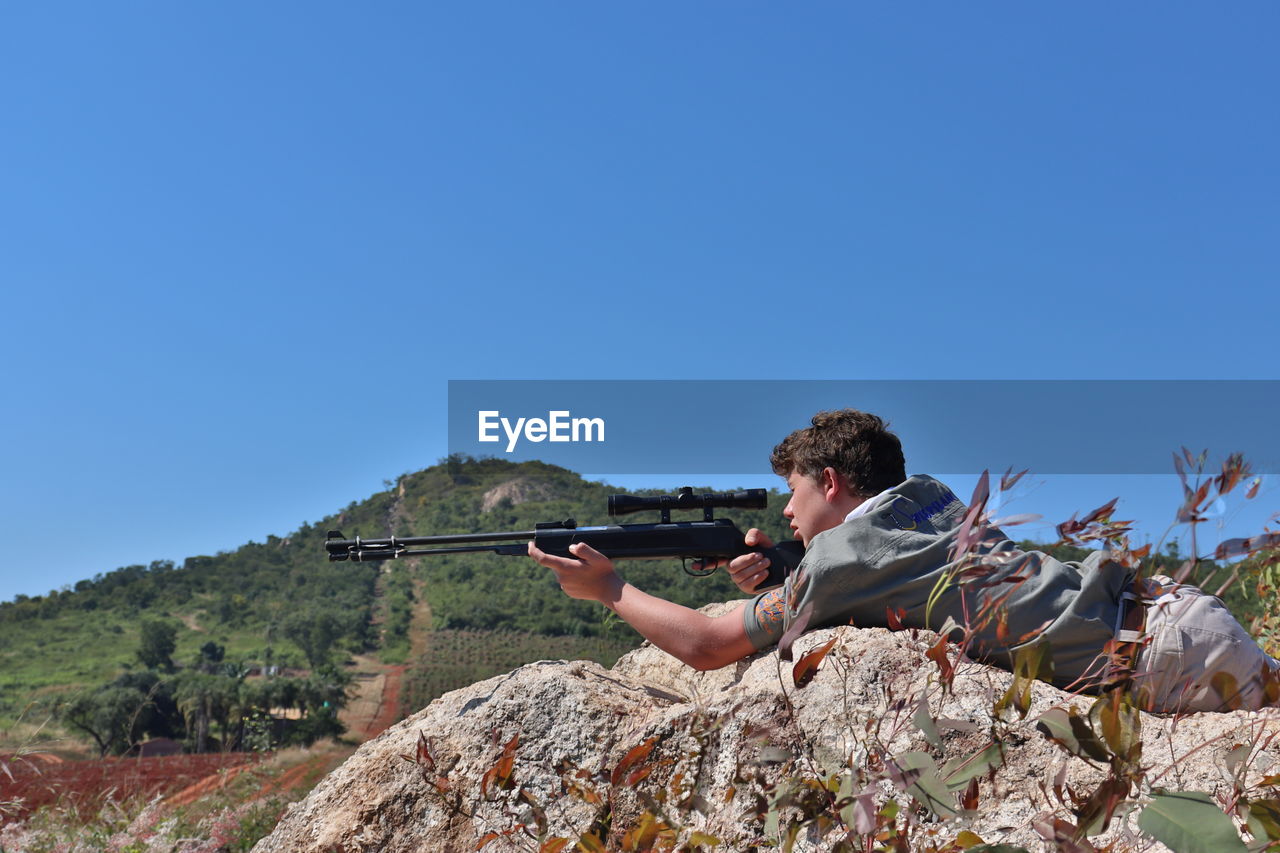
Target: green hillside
point(282, 603)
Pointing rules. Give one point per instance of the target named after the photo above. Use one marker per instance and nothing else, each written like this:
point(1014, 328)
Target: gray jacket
point(895, 556)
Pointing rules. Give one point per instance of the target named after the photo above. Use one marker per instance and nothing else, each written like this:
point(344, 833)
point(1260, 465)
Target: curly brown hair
point(856, 444)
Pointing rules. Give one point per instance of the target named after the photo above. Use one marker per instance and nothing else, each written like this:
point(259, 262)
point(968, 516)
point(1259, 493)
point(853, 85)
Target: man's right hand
point(748, 570)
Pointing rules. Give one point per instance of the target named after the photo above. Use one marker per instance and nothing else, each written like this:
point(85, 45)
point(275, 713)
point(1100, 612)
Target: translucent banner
point(729, 427)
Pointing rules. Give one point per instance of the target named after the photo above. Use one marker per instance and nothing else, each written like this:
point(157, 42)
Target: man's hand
point(587, 574)
point(747, 570)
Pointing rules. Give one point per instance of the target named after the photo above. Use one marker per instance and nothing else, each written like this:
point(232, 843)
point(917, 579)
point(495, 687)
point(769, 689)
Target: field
point(42, 779)
point(45, 659)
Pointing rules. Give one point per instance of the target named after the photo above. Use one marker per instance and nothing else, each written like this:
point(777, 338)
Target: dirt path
point(377, 692)
point(387, 713)
point(420, 625)
point(380, 687)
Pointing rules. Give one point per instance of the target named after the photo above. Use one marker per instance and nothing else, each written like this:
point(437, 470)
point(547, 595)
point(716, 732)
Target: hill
point(282, 604)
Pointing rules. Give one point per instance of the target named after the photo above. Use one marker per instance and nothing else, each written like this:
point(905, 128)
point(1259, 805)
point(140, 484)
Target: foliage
point(222, 709)
point(396, 609)
point(119, 714)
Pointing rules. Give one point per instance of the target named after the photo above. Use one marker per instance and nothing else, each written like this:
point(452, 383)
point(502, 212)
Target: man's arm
point(701, 641)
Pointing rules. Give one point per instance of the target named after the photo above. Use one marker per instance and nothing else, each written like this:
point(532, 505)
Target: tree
point(156, 645)
point(314, 631)
point(204, 699)
point(211, 654)
point(120, 713)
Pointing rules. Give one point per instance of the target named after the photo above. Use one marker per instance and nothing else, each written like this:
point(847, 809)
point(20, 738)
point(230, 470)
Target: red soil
point(389, 708)
point(86, 785)
point(40, 779)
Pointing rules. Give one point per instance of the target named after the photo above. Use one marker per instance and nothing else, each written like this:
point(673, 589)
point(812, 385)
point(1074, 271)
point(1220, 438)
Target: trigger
point(699, 572)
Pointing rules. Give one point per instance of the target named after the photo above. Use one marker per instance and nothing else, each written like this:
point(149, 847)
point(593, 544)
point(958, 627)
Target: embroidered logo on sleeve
point(770, 608)
point(900, 509)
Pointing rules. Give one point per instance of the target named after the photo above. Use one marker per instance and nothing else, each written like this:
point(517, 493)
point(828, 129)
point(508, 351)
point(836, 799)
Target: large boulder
point(652, 754)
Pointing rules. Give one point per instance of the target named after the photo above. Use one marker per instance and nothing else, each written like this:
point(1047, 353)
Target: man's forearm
point(701, 641)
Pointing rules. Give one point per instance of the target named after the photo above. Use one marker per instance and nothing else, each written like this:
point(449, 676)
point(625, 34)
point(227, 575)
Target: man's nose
point(788, 512)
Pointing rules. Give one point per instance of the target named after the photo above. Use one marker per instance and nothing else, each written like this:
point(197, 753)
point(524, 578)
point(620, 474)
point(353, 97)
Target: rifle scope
point(686, 499)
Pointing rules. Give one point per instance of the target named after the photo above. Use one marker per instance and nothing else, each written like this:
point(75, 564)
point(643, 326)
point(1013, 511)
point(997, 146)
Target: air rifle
point(708, 540)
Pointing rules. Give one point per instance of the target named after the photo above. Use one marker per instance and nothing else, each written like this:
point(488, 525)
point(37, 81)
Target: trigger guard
point(697, 573)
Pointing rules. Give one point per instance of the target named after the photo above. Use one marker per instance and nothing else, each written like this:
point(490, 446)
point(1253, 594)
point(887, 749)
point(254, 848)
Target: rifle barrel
point(450, 539)
point(363, 550)
point(375, 554)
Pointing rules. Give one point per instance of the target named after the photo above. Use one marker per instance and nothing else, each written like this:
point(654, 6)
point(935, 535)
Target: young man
point(878, 542)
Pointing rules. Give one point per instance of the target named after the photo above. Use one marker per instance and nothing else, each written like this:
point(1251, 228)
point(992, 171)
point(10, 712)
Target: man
point(880, 548)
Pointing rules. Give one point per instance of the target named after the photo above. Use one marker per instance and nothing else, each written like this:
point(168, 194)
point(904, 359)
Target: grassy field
point(41, 660)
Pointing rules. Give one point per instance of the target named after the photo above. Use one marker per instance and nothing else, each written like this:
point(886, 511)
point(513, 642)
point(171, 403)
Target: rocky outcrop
point(515, 492)
point(651, 754)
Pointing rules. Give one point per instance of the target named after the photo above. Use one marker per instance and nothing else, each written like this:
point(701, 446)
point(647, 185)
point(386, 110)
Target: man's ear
point(833, 484)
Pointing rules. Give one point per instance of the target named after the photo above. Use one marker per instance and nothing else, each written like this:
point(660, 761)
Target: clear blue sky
point(243, 247)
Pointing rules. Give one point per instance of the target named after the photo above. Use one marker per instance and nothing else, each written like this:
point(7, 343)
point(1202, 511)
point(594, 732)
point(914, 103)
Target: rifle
point(706, 540)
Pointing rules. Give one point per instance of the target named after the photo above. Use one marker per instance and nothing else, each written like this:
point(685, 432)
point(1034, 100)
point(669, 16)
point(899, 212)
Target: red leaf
point(1101, 512)
point(807, 667)
point(1234, 469)
point(1034, 632)
point(1194, 500)
point(938, 654)
point(500, 773)
point(969, 799)
point(635, 756)
point(969, 531)
point(1006, 482)
point(1253, 489)
point(894, 618)
point(981, 491)
point(1238, 547)
point(1062, 834)
point(424, 753)
point(591, 843)
point(638, 775)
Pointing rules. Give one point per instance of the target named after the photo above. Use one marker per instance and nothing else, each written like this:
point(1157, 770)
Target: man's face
point(809, 510)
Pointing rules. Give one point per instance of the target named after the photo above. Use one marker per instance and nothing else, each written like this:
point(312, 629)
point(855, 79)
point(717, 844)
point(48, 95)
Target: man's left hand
point(587, 574)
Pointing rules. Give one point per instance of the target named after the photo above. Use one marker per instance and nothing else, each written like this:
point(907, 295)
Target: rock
point(515, 492)
point(722, 740)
